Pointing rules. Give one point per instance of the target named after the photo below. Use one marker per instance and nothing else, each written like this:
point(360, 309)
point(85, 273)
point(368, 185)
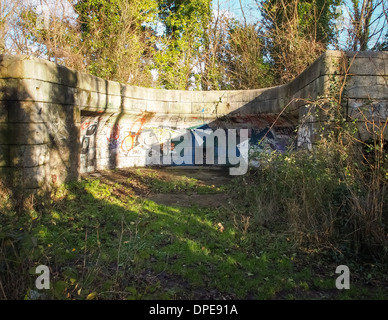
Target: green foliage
point(179, 184)
point(334, 194)
point(185, 26)
point(297, 189)
point(245, 59)
point(116, 39)
point(296, 33)
point(102, 241)
point(315, 16)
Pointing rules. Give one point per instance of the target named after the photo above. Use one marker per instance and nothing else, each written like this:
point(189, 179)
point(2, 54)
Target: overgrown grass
point(100, 244)
point(156, 183)
point(319, 201)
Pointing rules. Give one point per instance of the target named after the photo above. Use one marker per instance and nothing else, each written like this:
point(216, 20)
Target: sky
point(239, 9)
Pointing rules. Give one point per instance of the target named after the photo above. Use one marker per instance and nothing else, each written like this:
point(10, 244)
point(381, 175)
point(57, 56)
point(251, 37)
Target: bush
point(334, 195)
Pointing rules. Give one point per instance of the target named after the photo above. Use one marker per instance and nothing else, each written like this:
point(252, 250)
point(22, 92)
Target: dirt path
point(204, 177)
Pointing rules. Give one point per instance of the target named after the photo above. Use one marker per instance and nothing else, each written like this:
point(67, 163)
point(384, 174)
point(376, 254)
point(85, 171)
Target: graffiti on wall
point(278, 138)
point(88, 137)
point(130, 137)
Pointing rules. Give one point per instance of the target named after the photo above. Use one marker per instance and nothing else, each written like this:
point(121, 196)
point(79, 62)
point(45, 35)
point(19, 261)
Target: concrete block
point(87, 82)
point(157, 106)
point(20, 133)
point(3, 111)
point(58, 74)
point(4, 156)
point(26, 111)
point(113, 88)
point(40, 112)
point(368, 110)
point(27, 67)
point(13, 89)
point(28, 155)
point(135, 105)
point(82, 98)
point(64, 159)
point(29, 178)
point(136, 92)
point(234, 107)
point(205, 108)
point(222, 109)
point(36, 90)
point(191, 96)
point(113, 103)
point(254, 94)
point(382, 80)
point(368, 66)
point(366, 87)
point(12, 69)
point(179, 107)
point(215, 96)
point(49, 92)
point(49, 72)
point(95, 84)
point(239, 96)
point(168, 95)
point(97, 101)
point(155, 94)
point(254, 107)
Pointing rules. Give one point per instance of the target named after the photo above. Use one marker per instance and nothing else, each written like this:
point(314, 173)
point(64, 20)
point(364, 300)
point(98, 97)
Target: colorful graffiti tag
point(132, 139)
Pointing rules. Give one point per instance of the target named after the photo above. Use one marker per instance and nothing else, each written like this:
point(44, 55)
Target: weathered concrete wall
point(364, 78)
point(56, 123)
point(367, 90)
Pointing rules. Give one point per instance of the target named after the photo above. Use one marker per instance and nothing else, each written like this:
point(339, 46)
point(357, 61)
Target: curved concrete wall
point(56, 123)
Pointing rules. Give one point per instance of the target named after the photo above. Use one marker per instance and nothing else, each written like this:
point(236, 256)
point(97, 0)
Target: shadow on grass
point(102, 244)
point(98, 245)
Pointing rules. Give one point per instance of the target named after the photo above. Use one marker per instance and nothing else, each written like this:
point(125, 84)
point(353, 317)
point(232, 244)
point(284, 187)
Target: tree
point(117, 43)
point(368, 20)
point(213, 62)
point(382, 45)
point(181, 46)
point(296, 33)
point(246, 64)
point(46, 31)
point(233, 55)
point(7, 11)
point(109, 39)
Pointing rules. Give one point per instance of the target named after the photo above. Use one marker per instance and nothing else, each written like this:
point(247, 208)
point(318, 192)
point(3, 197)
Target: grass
point(166, 184)
point(105, 239)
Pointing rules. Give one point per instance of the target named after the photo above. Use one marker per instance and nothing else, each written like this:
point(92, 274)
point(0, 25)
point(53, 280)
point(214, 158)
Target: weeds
point(99, 244)
point(332, 194)
point(282, 232)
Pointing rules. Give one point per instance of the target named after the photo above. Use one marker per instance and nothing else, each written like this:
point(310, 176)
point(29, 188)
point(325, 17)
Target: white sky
point(239, 8)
